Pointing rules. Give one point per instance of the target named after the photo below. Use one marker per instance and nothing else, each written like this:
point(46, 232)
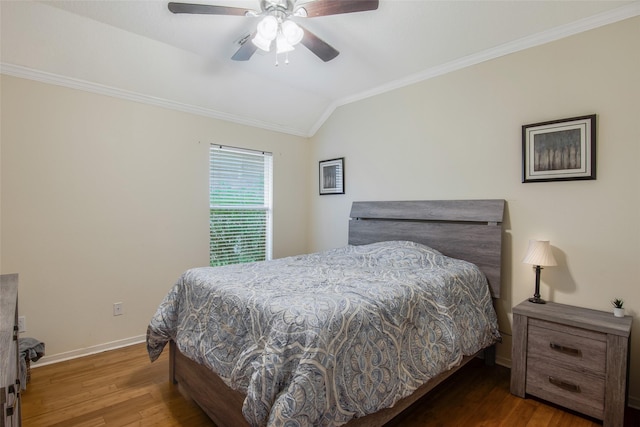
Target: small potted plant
point(618, 309)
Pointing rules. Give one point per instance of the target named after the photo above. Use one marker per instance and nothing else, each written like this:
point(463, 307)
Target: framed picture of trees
point(559, 150)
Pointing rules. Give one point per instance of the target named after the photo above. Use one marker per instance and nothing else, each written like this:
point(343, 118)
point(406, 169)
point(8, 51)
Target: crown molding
point(73, 83)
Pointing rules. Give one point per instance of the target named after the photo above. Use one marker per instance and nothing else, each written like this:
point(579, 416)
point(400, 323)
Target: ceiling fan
point(277, 27)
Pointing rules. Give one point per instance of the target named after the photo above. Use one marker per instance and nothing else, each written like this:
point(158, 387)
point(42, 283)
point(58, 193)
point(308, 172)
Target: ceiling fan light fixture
point(268, 27)
point(261, 42)
point(283, 45)
point(301, 13)
point(276, 15)
point(292, 32)
point(267, 30)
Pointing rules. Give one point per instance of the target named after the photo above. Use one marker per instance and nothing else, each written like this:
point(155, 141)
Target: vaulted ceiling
point(140, 50)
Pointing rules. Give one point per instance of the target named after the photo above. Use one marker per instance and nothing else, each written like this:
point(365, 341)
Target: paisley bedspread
point(319, 339)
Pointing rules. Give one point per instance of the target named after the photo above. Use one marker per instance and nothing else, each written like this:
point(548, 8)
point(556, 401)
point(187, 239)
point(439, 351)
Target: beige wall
point(106, 200)
point(458, 136)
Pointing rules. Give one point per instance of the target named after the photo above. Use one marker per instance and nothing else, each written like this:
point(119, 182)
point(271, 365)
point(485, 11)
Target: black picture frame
point(331, 177)
point(559, 150)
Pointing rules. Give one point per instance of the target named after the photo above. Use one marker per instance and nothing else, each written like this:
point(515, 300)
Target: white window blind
point(239, 205)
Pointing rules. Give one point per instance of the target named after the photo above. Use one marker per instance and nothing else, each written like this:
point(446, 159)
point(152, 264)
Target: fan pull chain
point(286, 59)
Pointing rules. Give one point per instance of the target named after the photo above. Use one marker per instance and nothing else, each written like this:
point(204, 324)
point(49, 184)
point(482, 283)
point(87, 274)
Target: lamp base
point(536, 295)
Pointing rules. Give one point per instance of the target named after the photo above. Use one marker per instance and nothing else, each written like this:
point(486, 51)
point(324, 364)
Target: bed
point(329, 346)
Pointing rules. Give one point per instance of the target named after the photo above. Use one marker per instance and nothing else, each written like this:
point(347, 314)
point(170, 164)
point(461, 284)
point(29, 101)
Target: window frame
point(234, 158)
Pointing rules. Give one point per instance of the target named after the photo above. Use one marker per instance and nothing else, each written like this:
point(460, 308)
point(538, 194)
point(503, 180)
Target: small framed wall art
point(332, 176)
point(559, 150)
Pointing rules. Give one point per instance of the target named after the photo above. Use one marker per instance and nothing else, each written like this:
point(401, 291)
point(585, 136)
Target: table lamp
point(539, 255)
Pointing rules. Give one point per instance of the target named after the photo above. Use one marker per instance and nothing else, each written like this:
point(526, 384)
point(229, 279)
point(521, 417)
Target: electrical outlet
point(118, 309)
point(22, 324)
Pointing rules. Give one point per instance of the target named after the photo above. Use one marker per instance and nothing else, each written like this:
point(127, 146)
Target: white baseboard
point(74, 354)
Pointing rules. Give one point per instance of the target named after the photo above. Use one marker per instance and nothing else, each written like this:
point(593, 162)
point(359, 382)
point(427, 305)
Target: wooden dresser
point(9, 382)
point(571, 356)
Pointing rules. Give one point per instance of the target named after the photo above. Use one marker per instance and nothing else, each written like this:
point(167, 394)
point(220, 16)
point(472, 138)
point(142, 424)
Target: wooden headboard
point(466, 229)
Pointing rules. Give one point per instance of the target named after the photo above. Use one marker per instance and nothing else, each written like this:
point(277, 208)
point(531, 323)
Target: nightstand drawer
point(578, 391)
point(571, 348)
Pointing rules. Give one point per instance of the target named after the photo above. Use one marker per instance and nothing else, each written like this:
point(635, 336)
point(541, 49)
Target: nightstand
point(571, 356)
point(9, 366)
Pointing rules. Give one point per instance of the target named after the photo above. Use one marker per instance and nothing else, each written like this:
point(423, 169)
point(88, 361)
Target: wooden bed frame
point(464, 229)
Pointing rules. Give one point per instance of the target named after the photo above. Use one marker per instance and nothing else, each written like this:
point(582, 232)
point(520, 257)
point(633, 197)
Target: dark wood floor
point(122, 388)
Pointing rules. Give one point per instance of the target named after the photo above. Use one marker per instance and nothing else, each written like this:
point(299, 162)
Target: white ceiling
point(140, 50)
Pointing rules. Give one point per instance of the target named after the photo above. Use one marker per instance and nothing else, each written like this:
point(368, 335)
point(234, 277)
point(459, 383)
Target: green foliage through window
point(240, 206)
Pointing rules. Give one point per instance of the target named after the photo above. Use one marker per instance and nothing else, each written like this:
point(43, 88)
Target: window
point(239, 205)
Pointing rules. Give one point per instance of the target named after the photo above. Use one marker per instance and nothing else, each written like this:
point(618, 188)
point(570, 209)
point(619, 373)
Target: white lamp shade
point(282, 45)
point(539, 253)
point(268, 28)
point(292, 32)
point(261, 42)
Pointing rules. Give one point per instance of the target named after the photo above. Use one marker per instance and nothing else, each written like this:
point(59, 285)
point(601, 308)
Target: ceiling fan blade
point(207, 9)
point(319, 47)
point(247, 49)
point(334, 7)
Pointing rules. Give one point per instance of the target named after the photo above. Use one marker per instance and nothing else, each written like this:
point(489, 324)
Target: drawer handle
point(566, 350)
point(564, 385)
